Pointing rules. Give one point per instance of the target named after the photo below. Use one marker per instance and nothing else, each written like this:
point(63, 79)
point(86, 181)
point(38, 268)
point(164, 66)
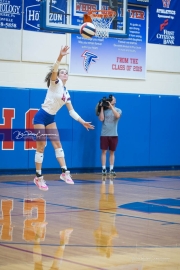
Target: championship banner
point(112, 57)
point(164, 22)
point(11, 14)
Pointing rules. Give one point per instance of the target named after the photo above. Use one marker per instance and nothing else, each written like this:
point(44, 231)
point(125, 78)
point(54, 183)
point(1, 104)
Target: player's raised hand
point(88, 125)
point(64, 50)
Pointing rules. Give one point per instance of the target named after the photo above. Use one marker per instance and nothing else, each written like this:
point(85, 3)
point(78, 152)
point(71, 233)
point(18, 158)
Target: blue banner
point(112, 57)
point(10, 14)
point(164, 27)
point(32, 14)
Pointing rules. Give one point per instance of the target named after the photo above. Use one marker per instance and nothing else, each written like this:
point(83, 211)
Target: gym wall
point(149, 131)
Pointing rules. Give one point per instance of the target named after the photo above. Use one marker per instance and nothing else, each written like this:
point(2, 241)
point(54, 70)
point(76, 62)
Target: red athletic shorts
point(108, 142)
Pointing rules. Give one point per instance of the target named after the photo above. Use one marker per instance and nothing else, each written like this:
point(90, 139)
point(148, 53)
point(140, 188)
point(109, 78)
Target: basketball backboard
point(66, 16)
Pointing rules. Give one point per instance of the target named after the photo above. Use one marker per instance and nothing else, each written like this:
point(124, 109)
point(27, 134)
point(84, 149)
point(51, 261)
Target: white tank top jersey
point(56, 97)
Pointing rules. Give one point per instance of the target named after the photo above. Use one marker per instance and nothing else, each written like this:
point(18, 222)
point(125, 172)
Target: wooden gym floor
point(131, 222)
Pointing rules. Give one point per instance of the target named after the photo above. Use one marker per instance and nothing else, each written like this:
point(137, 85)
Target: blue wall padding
point(149, 130)
point(134, 130)
point(165, 130)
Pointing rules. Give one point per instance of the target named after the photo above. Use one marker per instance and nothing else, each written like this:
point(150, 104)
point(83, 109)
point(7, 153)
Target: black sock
point(38, 175)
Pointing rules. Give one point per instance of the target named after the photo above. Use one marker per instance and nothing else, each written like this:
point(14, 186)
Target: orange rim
point(103, 14)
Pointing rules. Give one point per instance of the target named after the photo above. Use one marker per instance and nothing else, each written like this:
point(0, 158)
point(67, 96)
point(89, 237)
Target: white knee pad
point(59, 152)
point(39, 157)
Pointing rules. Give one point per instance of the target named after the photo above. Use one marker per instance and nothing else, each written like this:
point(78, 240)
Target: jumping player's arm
point(62, 53)
point(76, 116)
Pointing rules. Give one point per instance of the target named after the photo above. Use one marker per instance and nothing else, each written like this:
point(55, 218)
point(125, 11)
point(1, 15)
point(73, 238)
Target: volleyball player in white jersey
point(44, 120)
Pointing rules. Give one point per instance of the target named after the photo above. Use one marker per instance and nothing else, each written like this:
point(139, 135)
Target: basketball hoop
point(102, 20)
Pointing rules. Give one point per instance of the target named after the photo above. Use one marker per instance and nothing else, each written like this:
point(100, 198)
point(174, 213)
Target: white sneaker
point(67, 178)
point(40, 183)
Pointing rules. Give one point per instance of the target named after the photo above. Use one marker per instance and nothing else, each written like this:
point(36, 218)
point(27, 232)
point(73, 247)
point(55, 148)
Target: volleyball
point(87, 30)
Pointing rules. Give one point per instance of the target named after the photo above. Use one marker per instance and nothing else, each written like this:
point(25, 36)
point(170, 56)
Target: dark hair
point(47, 78)
point(48, 75)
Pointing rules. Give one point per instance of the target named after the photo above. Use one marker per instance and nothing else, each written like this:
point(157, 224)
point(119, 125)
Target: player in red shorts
point(109, 136)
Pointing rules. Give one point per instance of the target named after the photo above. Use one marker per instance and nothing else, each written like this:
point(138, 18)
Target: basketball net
point(102, 20)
